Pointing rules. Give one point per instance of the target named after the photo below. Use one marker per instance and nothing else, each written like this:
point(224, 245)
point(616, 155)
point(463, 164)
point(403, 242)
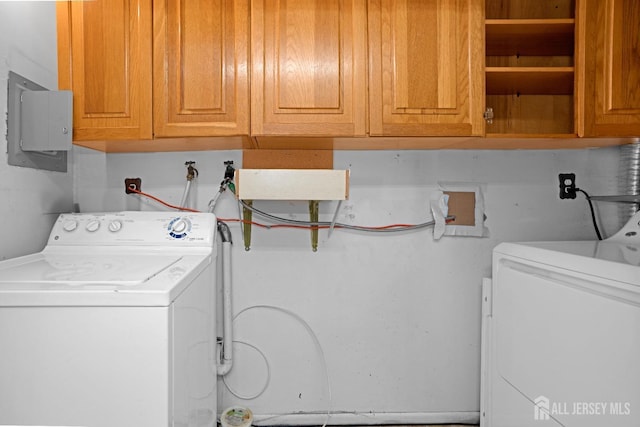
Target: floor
point(427, 425)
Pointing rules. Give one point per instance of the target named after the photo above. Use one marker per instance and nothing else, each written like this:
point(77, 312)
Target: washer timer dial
point(115, 226)
point(70, 225)
point(179, 228)
point(92, 226)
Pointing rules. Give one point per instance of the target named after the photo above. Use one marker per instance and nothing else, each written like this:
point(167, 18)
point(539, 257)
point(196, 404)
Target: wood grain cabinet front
point(308, 67)
point(200, 55)
point(195, 85)
point(104, 57)
point(609, 81)
point(426, 75)
point(165, 70)
point(309, 61)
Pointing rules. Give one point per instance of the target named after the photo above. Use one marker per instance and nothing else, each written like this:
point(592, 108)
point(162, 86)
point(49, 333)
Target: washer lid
point(609, 260)
point(99, 278)
point(86, 270)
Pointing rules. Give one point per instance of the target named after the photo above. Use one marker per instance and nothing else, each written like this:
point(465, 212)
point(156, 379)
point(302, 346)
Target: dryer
point(561, 333)
point(112, 323)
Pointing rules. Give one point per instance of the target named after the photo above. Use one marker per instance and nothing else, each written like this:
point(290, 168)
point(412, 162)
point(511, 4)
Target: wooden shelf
point(292, 184)
point(312, 185)
point(530, 37)
point(529, 80)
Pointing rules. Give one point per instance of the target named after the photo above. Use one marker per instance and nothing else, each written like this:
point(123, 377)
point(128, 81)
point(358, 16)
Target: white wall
point(398, 316)
point(31, 199)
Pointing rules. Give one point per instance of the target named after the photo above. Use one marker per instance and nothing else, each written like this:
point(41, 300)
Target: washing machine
point(112, 323)
point(561, 333)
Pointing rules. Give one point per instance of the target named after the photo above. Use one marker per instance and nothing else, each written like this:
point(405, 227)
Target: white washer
point(561, 333)
point(112, 324)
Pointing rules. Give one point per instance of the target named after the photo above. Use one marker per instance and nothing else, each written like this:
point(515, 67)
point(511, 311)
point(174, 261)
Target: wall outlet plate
point(132, 182)
point(567, 185)
point(47, 160)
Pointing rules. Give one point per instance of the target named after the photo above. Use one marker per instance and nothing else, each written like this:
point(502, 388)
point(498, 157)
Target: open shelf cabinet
point(530, 75)
point(537, 37)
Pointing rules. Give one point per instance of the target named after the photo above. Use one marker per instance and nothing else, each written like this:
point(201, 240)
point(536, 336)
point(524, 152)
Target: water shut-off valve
point(192, 172)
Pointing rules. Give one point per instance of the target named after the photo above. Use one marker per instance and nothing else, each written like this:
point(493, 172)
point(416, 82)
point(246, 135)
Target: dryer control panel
point(134, 228)
point(630, 233)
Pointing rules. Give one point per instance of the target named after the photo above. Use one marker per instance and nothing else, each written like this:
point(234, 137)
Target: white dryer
point(112, 324)
point(561, 333)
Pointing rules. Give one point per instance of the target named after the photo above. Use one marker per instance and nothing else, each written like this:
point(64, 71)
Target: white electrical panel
point(46, 120)
point(39, 125)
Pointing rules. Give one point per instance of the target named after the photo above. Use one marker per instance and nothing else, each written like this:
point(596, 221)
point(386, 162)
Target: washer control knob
point(93, 225)
point(69, 225)
point(179, 227)
point(115, 226)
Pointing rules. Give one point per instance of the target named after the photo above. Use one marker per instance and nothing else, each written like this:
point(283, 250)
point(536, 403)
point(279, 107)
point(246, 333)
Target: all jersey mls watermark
point(544, 408)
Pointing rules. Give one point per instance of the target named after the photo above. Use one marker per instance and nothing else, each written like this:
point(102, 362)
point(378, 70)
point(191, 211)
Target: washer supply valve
point(229, 174)
point(229, 171)
point(191, 171)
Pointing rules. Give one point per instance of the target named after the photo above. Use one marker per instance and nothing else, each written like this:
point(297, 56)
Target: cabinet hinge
point(488, 115)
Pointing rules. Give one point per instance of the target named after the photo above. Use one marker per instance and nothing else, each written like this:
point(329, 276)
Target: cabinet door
point(200, 67)
point(309, 62)
point(609, 34)
point(427, 74)
point(104, 57)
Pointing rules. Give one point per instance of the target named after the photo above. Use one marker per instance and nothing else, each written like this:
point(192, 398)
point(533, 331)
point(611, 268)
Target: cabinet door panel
point(426, 72)
point(623, 59)
point(309, 59)
point(609, 36)
point(105, 58)
point(422, 81)
point(200, 67)
point(307, 50)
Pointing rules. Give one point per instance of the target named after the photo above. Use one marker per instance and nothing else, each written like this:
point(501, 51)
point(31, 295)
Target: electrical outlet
point(132, 183)
point(567, 185)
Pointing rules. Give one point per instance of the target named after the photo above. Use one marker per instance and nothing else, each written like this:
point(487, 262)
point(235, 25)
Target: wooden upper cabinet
point(609, 35)
point(104, 50)
point(309, 67)
point(200, 67)
point(427, 67)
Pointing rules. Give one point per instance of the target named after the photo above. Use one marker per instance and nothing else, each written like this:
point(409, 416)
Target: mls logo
point(541, 408)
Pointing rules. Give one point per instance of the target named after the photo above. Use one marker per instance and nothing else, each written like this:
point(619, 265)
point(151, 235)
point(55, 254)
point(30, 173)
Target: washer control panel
point(134, 228)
